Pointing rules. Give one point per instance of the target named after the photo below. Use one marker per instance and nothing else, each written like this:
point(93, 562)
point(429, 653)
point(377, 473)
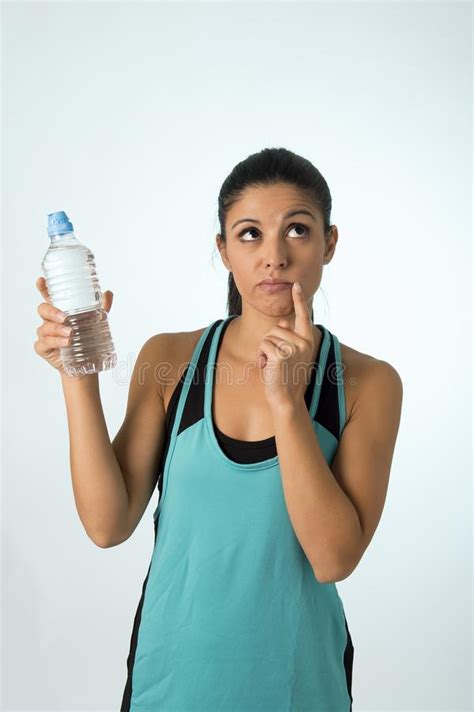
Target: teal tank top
point(231, 617)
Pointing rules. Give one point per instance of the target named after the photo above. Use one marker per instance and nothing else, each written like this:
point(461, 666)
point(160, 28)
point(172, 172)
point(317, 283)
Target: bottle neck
point(65, 238)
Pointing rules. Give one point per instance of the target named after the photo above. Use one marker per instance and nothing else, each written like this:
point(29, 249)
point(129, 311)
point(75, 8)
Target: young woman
point(271, 450)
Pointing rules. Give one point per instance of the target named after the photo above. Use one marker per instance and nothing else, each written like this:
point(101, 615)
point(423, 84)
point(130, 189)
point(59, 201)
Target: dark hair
point(267, 167)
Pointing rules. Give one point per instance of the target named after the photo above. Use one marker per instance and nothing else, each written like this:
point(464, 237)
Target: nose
point(276, 258)
point(277, 262)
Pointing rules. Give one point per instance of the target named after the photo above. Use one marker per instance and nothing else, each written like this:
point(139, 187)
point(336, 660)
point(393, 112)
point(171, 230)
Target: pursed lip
point(268, 280)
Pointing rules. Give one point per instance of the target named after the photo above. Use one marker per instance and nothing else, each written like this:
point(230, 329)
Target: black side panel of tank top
point(127, 693)
point(349, 662)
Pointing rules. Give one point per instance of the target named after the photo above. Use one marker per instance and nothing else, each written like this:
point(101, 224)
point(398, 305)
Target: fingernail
point(298, 287)
point(60, 316)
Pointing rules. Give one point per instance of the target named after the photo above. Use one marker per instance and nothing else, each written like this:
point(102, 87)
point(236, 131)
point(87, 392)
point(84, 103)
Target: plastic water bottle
point(73, 286)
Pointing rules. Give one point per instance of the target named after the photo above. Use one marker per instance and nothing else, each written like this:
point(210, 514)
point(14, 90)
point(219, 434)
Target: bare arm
point(336, 508)
point(113, 482)
point(97, 481)
point(139, 443)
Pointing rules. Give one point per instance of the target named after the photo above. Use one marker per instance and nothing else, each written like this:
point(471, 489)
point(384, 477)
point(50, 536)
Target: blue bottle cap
point(58, 223)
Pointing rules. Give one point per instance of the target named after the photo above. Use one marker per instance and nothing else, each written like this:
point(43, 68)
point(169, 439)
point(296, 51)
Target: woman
point(272, 479)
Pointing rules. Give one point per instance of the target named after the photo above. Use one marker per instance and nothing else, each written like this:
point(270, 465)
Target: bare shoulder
point(364, 374)
point(170, 354)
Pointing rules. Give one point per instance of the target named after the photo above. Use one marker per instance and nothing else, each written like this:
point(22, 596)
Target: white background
point(129, 117)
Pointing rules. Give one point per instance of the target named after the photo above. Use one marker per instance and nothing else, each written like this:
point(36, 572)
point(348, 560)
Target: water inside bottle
point(91, 349)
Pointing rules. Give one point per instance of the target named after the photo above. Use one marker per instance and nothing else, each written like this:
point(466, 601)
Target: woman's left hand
point(285, 355)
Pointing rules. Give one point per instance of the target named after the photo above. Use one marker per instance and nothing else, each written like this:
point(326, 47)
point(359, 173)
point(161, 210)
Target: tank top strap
point(330, 412)
point(190, 406)
point(338, 374)
point(320, 367)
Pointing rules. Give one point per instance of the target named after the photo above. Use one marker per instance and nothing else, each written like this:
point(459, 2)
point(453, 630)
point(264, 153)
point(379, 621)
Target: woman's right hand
point(50, 335)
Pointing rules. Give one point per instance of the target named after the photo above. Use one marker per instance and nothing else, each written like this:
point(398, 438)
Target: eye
point(253, 229)
point(306, 229)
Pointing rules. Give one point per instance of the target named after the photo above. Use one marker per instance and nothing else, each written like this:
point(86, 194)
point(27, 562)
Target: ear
point(223, 251)
point(331, 243)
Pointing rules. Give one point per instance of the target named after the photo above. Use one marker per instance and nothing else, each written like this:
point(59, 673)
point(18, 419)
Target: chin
point(280, 311)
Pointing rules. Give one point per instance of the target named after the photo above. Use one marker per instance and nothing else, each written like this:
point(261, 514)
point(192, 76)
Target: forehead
point(270, 200)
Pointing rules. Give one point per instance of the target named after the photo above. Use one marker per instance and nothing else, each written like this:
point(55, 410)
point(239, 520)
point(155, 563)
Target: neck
point(246, 331)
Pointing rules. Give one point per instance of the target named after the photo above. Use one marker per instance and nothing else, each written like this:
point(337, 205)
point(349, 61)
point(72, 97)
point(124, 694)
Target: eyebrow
point(287, 215)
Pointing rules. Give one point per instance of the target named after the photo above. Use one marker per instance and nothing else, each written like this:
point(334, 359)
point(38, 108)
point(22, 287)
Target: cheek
point(312, 275)
point(243, 267)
